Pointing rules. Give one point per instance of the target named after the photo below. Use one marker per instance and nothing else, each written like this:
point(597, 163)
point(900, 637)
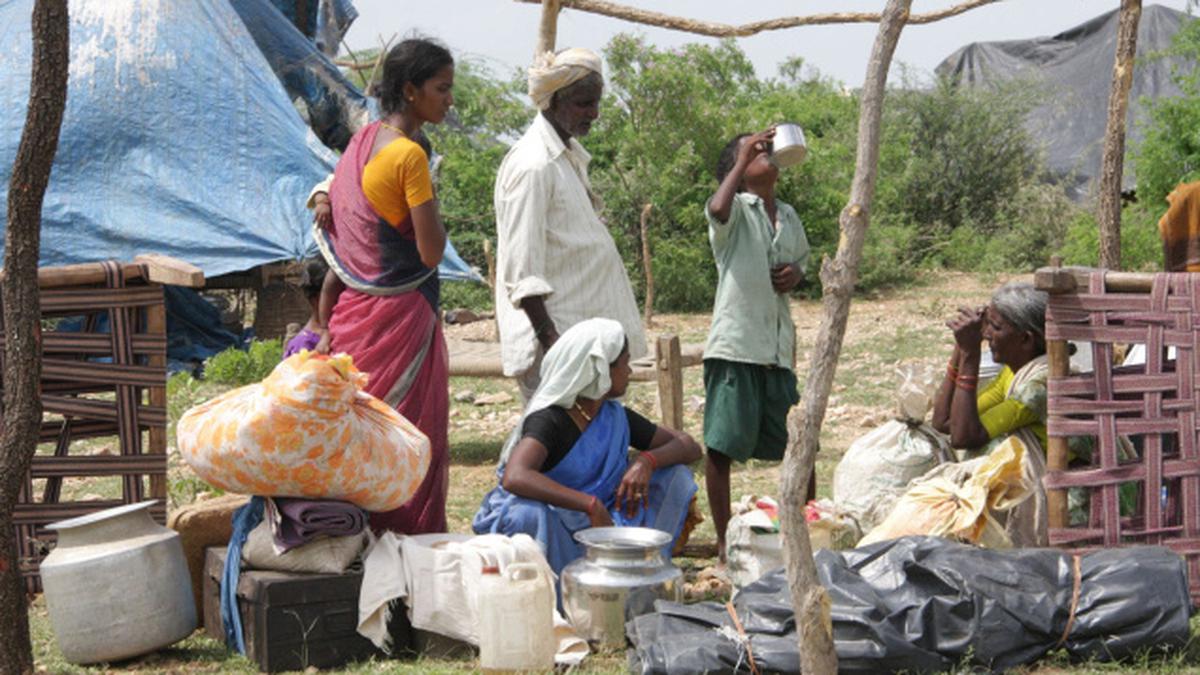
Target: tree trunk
point(811, 602)
point(19, 293)
point(1113, 160)
point(548, 29)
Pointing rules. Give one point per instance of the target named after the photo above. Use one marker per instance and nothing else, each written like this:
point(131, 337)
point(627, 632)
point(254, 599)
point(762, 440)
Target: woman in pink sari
point(384, 244)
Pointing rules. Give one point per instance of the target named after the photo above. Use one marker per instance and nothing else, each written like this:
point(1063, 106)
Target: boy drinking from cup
point(761, 253)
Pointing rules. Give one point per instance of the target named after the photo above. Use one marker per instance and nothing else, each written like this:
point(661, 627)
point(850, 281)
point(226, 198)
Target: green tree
point(1169, 152)
point(489, 114)
point(666, 117)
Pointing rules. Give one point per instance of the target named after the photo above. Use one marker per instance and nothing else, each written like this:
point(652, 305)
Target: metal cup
point(788, 146)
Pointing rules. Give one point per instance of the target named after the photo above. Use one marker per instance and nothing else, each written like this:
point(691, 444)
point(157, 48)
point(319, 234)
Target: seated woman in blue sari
point(566, 467)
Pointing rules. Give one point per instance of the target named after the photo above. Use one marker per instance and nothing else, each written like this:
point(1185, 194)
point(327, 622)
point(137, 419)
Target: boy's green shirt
point(751, 323)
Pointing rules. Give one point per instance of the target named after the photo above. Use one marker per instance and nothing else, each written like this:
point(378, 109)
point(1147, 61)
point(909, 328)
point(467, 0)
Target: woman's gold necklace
point(398, 130)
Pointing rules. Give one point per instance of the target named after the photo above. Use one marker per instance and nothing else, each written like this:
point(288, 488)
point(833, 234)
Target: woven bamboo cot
point(99, 382)
point(1152, 407)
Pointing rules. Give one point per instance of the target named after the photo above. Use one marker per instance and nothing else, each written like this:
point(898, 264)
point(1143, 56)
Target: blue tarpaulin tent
point(180, 136)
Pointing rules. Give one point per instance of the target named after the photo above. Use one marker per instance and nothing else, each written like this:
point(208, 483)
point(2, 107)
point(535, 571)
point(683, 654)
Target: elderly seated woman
point(1012, 404)
point(567, 468)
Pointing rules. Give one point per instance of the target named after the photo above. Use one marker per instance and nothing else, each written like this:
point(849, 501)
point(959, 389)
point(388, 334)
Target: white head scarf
point(576, 366)
point(551, 72)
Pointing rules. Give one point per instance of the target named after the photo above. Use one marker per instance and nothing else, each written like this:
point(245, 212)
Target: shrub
point(236, 368)
point(968, 152)
point(685, 277)
point(1141, 248)
point(888, 256)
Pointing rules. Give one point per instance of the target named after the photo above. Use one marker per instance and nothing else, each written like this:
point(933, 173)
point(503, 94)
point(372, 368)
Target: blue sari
point(595, 465)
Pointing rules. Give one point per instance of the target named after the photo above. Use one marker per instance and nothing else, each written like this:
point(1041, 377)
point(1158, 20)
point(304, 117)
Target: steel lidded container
point(620, 576)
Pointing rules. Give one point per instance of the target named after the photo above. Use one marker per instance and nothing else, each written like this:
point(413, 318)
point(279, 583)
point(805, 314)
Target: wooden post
point(814, 625)
point(548, 29)
point(1056, 446)
point(490, 260)
point(669, 362)
point(1113, 160)
point(156, 324)
point(648, 311)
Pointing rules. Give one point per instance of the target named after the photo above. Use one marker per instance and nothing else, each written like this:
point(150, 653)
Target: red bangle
point(952, 372)
point(965, 386)
point(649, 458)
point(591, 504)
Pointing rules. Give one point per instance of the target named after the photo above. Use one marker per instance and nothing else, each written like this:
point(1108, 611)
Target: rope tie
point(1076, 582)
point(745, 639)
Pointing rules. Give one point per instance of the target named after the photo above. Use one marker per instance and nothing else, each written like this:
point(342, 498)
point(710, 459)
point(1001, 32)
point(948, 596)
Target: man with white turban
point(557, 264)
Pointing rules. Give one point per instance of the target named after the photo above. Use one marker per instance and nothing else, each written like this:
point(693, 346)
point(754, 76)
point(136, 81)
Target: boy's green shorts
point(746, 407)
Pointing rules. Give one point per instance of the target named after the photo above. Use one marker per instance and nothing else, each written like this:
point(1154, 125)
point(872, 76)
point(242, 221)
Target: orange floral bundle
point(307, 430)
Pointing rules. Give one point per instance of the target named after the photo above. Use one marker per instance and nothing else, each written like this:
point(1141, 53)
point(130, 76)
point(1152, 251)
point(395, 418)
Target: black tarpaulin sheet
point(923, 604)
point(1073, 72)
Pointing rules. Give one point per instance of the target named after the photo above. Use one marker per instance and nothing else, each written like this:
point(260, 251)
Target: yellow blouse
point(1001, 415)
point(396, 180)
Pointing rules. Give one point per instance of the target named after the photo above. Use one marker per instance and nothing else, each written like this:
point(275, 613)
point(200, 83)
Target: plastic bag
point(957, 500)
point(878, 466)
point(924, 604)
point(753, 544)
point(307, 430)
point(829, 526)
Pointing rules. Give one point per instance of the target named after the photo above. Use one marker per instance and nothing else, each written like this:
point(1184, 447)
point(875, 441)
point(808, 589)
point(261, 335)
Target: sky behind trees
point(501, 33)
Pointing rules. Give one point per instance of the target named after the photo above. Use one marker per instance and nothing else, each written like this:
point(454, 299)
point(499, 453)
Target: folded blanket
point(297, 521)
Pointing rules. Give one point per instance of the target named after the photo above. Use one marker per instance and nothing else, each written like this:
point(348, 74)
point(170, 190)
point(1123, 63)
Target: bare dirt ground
point(885, 331)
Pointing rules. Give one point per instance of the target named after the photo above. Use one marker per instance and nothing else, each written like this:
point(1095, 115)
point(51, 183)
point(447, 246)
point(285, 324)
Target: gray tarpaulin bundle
point(925, 604)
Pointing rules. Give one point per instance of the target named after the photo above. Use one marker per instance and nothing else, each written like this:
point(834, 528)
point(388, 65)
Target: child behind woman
point(315, 334)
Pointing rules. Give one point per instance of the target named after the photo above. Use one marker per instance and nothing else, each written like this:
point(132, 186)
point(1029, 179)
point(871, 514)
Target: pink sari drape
point(387, 319)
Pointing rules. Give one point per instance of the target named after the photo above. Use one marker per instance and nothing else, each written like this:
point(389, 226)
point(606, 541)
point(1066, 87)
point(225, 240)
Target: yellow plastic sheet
point(958, 501)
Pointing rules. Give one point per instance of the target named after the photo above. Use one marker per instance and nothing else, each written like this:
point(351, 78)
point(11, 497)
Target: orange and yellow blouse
point(396, 180)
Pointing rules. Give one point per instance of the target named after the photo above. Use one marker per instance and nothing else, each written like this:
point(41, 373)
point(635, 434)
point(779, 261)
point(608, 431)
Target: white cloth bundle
point(438, 577)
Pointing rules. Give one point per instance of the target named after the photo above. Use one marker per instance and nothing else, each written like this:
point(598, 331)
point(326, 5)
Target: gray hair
point(1023, 306)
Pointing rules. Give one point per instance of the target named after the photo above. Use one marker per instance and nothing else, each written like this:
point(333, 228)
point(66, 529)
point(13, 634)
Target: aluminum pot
point(117, 585)
point(620, 576)
point(788, 148)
